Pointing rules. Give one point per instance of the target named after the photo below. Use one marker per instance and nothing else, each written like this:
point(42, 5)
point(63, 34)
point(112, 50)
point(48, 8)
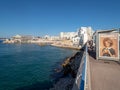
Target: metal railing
point(82, 81)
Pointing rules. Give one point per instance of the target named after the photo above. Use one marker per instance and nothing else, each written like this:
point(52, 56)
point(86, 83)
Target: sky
point(41, 17)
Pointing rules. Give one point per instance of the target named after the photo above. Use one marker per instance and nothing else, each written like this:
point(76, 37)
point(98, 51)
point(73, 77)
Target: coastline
point(62, 44)
point(68, 73)
point(66, 46)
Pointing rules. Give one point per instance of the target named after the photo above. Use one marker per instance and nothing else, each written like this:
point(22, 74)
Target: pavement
point(105, 75)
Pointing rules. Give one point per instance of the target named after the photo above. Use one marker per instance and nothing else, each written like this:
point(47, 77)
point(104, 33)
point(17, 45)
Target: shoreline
point(59, 44)
point(68, 72)
point(69, 47)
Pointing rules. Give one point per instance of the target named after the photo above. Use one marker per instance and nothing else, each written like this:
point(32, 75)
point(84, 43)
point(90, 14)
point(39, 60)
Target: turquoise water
point(28, 66)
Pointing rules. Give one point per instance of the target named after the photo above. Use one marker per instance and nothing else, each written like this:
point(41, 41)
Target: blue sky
point(40, 17)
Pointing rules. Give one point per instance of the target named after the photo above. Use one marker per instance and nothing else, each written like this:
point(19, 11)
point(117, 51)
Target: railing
point(82, 81)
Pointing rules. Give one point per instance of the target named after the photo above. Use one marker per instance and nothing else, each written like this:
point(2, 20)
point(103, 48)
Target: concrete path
point(105, 75)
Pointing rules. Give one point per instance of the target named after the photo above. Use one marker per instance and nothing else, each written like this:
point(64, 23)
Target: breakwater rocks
point(69, 71)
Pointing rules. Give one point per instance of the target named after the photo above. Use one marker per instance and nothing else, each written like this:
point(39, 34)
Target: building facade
point(68, 35)
point(85, 34)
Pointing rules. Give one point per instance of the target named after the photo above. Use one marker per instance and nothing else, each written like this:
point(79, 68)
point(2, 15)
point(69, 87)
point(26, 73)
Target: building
point(22, 39)
point(68, 35)
point(76, 41)
point(26, 38)
point(85, 34)
point(46, 37)
point(54, 38)
point(17, 38)
point(51, 37)
point(80, 37)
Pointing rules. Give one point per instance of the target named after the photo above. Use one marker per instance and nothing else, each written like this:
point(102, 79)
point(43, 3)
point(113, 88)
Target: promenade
point(104, 74)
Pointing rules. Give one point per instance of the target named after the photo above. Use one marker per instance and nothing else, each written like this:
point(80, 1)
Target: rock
point(70, 68)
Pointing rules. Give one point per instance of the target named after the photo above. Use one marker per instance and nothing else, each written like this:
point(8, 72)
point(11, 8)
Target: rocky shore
point(68, 73)
point(66, 46)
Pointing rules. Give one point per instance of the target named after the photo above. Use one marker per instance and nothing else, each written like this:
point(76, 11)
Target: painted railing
point(82, 81)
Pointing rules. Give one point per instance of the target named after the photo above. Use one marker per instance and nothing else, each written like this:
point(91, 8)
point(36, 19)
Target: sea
point(29, 66)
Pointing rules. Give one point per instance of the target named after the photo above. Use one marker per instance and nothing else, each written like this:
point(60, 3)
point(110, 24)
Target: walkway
point(105, 75)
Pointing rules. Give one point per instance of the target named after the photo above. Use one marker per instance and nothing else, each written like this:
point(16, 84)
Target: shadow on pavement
point(92, 53)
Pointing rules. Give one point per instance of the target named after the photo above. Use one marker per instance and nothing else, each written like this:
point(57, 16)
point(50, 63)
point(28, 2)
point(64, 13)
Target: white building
point(80, 37)
point(54, 38)
point(46, 36)
point(85, 34)
point(51, 37)
point(17, 38)
point(76, 41)
point(68, 35)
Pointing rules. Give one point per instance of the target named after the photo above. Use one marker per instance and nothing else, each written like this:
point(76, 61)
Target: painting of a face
point(107, 42)
point(108, 45)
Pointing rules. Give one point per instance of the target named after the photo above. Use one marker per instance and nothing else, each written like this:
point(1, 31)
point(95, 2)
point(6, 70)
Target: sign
point(108, 45)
